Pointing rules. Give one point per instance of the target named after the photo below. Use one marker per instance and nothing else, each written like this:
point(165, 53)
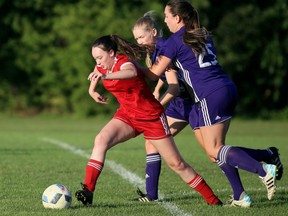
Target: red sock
point(199, 184)
point(93, 170)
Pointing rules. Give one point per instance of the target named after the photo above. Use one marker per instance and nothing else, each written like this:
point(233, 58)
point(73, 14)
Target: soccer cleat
point(276, 161)
point(219, 203)
point(270, 179)
point(143, 197)
point(84, 195)
point(243, 202)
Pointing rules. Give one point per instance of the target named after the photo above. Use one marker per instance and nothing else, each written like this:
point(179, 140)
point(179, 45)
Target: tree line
point(45, 51)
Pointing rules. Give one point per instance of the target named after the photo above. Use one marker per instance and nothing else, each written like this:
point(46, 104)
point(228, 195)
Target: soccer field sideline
point(135, 180)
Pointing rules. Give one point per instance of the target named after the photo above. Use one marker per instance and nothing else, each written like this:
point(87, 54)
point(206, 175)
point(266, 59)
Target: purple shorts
point(215, 108)
point(179, 108)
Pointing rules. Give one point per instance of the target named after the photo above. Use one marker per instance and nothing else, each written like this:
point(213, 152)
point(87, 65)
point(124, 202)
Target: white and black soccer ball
point(57, 196)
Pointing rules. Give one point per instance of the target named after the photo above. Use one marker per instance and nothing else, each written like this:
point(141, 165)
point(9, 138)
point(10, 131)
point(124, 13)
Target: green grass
point(29, 164)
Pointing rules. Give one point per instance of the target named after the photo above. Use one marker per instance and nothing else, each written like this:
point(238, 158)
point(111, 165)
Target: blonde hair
point(148, 23)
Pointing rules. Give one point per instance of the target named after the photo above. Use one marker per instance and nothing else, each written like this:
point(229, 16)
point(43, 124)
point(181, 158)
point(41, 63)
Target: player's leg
point(233, 176)
point(229, 158)
point(214, 114)
point(174, 160)
point(152, 173)
point(199, 138)
point(270, 155)
point(153, 163)
point(114, 132)
point(176, 125)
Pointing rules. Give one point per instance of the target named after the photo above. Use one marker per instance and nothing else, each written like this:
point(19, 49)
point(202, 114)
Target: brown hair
point(108, 42)
point(194, 35)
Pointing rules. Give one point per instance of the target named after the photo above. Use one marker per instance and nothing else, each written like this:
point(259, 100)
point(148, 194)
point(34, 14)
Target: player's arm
point(127, 71)
point(159, 67)
point(93, 84)
point(173, 87)
point(157, 89)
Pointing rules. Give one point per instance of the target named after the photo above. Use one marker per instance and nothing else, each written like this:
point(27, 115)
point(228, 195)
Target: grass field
point(36, 152)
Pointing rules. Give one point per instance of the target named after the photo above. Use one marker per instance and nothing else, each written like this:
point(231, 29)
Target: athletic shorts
point(180, 109)
point(154, 128)
point(215, 108)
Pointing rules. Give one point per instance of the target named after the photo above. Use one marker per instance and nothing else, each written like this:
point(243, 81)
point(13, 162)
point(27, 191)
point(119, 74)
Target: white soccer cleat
point(243, 202)
point(276, 161)
point(270, 179)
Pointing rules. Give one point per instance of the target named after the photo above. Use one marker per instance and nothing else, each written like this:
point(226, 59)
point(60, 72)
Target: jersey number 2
point(211, 56)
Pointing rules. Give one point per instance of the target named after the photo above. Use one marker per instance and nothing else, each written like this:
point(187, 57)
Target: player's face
point(103, 58)
point(170, 20)
point(144, 37)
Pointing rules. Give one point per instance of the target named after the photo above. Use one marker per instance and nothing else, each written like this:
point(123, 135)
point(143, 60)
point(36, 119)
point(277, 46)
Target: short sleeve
point(169, 48)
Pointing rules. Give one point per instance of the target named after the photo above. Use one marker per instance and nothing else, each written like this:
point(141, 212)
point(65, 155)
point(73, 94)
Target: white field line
point(131, 177)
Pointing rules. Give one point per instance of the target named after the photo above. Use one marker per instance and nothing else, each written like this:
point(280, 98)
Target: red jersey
point(134, 95)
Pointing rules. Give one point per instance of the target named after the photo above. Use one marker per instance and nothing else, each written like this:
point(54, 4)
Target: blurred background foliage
point(45, 52)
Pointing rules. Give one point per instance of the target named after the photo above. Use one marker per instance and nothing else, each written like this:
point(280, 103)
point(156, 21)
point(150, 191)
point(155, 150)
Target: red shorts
point(154, 128)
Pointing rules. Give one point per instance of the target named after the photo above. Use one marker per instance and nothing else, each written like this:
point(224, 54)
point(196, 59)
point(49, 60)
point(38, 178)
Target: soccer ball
point(56, 196)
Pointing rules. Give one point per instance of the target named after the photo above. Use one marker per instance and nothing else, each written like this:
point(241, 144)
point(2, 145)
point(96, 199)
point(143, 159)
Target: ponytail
point(132, 50)
point(108, 42)
point(194, 35)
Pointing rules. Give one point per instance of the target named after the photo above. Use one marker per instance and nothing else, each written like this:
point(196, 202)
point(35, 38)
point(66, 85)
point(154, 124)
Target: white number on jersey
point(212, 56)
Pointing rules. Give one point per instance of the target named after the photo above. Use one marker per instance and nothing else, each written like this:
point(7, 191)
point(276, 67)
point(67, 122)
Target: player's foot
point(218, 203)
point(270, 179)
point(84, 195)
point(276, 161)
point(143, 197)
point(243, 202)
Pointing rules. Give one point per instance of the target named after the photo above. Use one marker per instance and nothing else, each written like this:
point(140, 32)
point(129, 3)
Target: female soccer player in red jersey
point(139, 112)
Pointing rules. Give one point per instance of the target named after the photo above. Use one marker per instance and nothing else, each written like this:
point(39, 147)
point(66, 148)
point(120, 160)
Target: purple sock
point(258, 154)
point(153, 168)
point(233, 177)
point(238, 158)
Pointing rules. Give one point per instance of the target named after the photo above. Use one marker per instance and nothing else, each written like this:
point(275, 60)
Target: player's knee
point(101, 141)
point(212, 154)
point(177, 165)
point(212, 159)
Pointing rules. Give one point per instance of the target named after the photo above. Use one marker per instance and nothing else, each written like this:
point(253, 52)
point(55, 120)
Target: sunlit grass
point(28, 165)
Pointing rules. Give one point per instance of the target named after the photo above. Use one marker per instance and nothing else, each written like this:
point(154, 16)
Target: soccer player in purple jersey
point(191, 49)
point(176, 97)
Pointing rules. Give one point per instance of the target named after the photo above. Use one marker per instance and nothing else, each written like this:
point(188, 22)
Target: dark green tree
point(252, 47)
point(45, 50)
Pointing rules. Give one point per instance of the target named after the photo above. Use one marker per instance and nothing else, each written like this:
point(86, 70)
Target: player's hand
point(94, 75)
point(156, 95)
point(98, 98)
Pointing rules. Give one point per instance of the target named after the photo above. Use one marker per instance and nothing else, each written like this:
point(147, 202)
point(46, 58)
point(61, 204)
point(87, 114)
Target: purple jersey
point(203, 74)
point(185, 91)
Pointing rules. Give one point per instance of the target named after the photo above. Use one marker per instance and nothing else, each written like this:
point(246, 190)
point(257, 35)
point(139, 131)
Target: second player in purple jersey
point(176, 98)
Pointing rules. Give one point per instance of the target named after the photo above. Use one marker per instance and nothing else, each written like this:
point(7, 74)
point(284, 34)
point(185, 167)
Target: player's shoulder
point(121, 58)
point(160, 41)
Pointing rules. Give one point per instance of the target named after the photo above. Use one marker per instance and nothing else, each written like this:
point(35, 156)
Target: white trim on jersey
point(125, 63)
point(165, 123)
point(186, 77)
point(205, 112)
